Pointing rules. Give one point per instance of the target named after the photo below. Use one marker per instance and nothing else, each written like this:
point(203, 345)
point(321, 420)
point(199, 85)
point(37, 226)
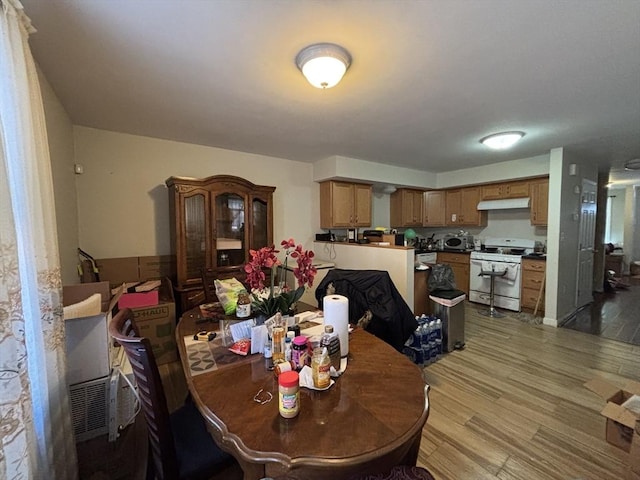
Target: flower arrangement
point(280, 298)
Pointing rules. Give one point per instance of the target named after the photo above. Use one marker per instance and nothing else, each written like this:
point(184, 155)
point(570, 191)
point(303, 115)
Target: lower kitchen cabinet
point(533, 284)
point(459, 263)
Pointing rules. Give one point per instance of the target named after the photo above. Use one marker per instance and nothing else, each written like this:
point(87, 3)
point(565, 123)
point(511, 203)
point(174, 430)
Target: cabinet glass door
point(229, 234)
point(260, 228)
point(195, 224)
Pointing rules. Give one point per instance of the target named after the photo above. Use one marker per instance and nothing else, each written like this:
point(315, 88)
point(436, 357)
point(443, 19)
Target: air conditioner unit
point(90, 408)
point(123, 398)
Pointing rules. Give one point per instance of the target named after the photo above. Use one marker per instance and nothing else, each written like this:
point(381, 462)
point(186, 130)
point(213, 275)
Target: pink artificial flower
point(263, 258)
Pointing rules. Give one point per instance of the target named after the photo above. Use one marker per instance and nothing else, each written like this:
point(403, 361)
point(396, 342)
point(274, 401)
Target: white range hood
point(505, 204)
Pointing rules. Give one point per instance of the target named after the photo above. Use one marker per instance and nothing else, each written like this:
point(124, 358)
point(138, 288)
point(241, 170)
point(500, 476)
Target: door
point(586, 238)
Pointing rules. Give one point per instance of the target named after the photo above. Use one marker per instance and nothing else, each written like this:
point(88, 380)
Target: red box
point(142, 299)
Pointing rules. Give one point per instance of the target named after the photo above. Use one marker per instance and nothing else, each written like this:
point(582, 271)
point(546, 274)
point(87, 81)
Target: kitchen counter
point(371, 244)
point(536, 256)
point(398, 261)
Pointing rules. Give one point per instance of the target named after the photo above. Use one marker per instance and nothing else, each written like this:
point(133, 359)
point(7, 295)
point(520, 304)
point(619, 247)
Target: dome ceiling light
point(632, 164)
point(502, 141)
point(323, 64)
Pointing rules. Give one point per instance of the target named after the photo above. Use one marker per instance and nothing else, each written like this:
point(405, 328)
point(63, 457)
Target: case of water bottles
point(424, 346)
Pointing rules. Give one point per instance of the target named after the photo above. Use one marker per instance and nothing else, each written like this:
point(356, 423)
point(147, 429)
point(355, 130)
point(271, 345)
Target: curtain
point(36, 438)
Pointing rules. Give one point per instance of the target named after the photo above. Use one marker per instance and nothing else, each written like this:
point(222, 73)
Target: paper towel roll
point(336, 313)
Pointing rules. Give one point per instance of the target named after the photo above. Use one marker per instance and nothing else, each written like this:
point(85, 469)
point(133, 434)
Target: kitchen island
point(397, 260)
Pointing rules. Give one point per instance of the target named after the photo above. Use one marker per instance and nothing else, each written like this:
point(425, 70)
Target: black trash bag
point(441, 278)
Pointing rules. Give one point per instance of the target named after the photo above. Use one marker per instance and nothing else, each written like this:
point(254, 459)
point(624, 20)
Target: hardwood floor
point(612, 315)
point(510, 406)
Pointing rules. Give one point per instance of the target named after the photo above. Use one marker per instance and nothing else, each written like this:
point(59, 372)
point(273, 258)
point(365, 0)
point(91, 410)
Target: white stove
point(498, 255)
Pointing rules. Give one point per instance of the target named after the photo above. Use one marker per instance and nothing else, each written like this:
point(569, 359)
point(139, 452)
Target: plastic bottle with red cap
point(289, 394)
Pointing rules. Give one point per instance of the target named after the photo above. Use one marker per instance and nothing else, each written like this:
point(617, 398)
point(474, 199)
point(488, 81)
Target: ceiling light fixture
point(501, 141)
point(632, 164)
point(323, 64)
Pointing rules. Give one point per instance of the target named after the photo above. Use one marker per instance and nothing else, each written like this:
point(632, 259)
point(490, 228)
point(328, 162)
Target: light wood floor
point(512, 405)
point(614, 315)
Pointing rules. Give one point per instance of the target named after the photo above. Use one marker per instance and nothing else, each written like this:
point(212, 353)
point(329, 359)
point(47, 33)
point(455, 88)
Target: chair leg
point(151, 470)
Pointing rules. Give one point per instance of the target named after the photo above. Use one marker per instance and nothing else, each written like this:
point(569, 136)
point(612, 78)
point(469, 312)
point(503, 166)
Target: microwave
point(458, 242)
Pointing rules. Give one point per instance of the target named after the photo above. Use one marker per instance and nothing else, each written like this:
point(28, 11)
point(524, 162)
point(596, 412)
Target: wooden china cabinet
point(215, 221)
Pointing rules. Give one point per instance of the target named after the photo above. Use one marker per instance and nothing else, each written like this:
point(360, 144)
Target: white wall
point(60, 137)
point(123, 201)
point(362, 170)
point(496, 172)
point(563, 227)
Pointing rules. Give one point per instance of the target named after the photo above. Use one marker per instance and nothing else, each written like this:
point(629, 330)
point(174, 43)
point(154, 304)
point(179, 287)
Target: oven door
point(507, 286)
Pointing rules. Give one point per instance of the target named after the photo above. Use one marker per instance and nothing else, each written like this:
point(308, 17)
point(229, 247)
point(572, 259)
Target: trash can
point(448, 306)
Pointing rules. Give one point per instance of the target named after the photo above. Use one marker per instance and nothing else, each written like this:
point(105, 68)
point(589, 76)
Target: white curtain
point(36, 440)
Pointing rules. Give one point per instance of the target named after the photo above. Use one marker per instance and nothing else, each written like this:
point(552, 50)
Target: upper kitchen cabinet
point(214, 222)
point(407, 208)
point(462, 207)
point(539, 201)
point(498, 191)
point(344, 205)
point(434, 208)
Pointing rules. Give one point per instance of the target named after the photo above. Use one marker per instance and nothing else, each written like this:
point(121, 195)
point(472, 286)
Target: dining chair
point(180, 447)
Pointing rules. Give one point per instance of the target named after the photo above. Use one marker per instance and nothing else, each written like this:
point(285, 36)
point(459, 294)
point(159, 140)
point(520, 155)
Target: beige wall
point(123, 200)
point(60, 136)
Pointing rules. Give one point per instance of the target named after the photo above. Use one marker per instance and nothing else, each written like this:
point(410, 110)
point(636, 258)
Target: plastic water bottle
point(426, 354)
point(438, 329)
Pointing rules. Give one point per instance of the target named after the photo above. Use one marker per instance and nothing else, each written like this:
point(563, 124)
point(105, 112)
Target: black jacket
point(392, 319)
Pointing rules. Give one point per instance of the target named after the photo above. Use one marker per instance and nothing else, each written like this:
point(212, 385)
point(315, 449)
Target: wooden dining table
point(370, 420)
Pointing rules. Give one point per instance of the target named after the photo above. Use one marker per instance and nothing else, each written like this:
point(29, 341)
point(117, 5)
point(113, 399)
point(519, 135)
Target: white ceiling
point(428, 79)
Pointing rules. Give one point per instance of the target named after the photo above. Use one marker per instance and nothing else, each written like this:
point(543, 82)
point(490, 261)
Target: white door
point(587, 233)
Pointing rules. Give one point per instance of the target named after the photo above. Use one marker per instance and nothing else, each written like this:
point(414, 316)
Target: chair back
point(162, 454)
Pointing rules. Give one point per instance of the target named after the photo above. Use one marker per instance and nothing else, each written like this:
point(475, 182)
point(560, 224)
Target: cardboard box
point(158, 324)
point(88, 345)
point(135, 269)
point(634, 457)
point(620, 421)
point(139, 299)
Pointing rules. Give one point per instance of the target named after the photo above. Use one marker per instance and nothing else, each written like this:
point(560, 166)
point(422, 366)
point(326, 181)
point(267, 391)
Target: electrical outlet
point(78, 169)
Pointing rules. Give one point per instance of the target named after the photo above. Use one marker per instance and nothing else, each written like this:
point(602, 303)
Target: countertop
point(536, 256)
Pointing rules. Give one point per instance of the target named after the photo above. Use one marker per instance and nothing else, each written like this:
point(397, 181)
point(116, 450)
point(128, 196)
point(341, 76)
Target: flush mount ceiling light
point(632, 164)
point(323, 64)
point(501, 141)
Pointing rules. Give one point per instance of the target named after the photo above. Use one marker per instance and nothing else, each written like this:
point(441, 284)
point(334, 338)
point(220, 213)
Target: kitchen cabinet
point(462, 207)
point(434, 208)
point(533, 284)
point(498, 191)
point(214, 222)
point(344, 204)
point(460, 264)
point(406, 208)
point(539, 201)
